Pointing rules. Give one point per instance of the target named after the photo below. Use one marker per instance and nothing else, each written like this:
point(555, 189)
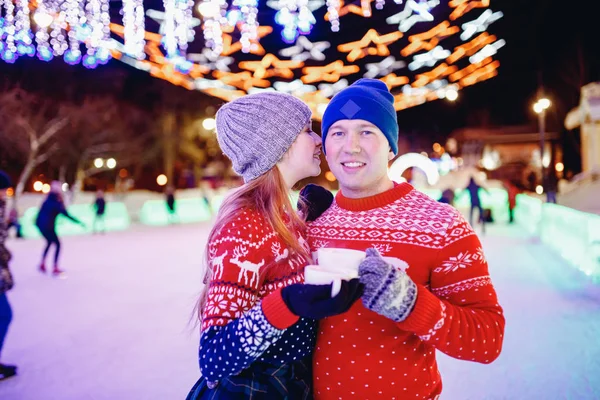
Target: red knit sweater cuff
point(277, 312)
point(426, 313)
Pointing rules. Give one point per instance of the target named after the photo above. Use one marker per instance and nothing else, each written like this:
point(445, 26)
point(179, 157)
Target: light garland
point(73, 54)
point(23, 34)
point(249, 26)
point(58, 27)
point(333, 14)
point(133, 22)
point(213, 12)
point(43, 21)
point(8, 48)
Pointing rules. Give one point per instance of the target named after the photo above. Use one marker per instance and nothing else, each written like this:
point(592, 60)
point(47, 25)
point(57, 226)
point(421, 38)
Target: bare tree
point(103, 127)
point(30, 127)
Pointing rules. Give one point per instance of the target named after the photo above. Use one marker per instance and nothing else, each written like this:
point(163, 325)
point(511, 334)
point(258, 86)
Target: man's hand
point(388, 291)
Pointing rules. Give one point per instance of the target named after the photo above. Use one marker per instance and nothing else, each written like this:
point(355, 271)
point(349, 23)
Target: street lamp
point(540, 108)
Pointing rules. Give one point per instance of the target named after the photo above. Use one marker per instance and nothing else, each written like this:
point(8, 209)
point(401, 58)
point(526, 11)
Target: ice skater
point(171, 204)
point(52, 207)
point(100, 206)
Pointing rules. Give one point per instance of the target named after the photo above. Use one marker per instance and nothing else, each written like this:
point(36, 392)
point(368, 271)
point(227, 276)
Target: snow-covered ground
point(118, 327)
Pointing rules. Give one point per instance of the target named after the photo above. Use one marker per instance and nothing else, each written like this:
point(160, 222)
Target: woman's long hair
point(269, 196)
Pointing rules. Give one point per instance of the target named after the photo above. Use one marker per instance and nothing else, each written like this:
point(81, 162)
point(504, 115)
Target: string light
point(175, 26)
point(8, 48)
point(43, 21)
point(213, 12)
point(23, 34)
point(73, 54)
point(133, 21)
point(58, 39)
point(333, 14)
point(249, 26)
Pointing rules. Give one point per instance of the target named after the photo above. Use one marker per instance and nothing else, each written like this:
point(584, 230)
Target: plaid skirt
point(261, 381)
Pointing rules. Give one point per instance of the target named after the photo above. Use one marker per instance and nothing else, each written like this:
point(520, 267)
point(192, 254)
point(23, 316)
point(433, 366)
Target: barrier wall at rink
point(573, 234)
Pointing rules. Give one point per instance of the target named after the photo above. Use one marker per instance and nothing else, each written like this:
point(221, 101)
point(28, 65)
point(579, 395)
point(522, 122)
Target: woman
point(258, 318)
point(52, 207)
point(6, 281)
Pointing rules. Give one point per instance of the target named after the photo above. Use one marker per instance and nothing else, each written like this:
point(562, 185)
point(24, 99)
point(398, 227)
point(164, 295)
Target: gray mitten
point(388, 291)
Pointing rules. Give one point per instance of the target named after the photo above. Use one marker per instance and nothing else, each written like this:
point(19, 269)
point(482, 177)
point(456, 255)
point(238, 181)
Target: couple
point(267, 335)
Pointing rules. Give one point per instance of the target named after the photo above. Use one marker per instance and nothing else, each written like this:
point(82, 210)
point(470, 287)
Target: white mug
point(342, 261)
point(316, 275)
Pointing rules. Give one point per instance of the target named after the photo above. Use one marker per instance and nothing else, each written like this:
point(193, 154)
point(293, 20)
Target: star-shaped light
point(472, 47)
point(384, 67)
point(481, 24)
point(229, 47)
point(392, 81)
point(295, 87)
point(430, 39)
point(429, 59)
point(209, 60)
point(328, 73)
point(461, 7)
point(203, 83)
point(271, 66)
point(413, 13)
point(304, 50)
point(487, 51)
point(364, 10)
point(241, 80)
point(438, 72)
point(330, 89)
point(359, 49)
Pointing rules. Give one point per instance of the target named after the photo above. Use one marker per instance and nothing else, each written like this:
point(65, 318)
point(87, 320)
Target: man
point(431, 292)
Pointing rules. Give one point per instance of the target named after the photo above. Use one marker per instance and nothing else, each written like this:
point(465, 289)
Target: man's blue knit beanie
point(366, 99)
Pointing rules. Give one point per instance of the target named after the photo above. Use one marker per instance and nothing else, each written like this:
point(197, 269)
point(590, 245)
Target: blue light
point(90, 61)
point(72, 57)
point(289, 35)
point(9, 56)
point(25, 49)
point(44, 54)
point(103, 55)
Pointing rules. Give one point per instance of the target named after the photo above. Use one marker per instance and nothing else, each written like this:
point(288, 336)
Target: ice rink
point(118, 327)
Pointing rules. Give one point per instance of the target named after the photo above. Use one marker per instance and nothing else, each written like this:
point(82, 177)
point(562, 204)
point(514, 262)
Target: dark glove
point(314, 201)
point(388, 291)
point(315, 301)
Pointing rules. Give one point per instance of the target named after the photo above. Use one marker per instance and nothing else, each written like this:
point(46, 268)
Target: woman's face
point(303, 159)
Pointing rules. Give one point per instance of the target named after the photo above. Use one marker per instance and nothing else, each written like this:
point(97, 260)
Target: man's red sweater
point(361, 354)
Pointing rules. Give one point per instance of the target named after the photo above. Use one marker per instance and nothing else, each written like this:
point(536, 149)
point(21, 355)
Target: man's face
point(358, 153)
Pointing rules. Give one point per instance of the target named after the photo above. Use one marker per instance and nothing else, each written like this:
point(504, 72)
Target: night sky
point(549, 43)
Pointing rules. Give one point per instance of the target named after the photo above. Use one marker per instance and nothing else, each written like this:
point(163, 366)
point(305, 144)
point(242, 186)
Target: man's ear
point(391, 155)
